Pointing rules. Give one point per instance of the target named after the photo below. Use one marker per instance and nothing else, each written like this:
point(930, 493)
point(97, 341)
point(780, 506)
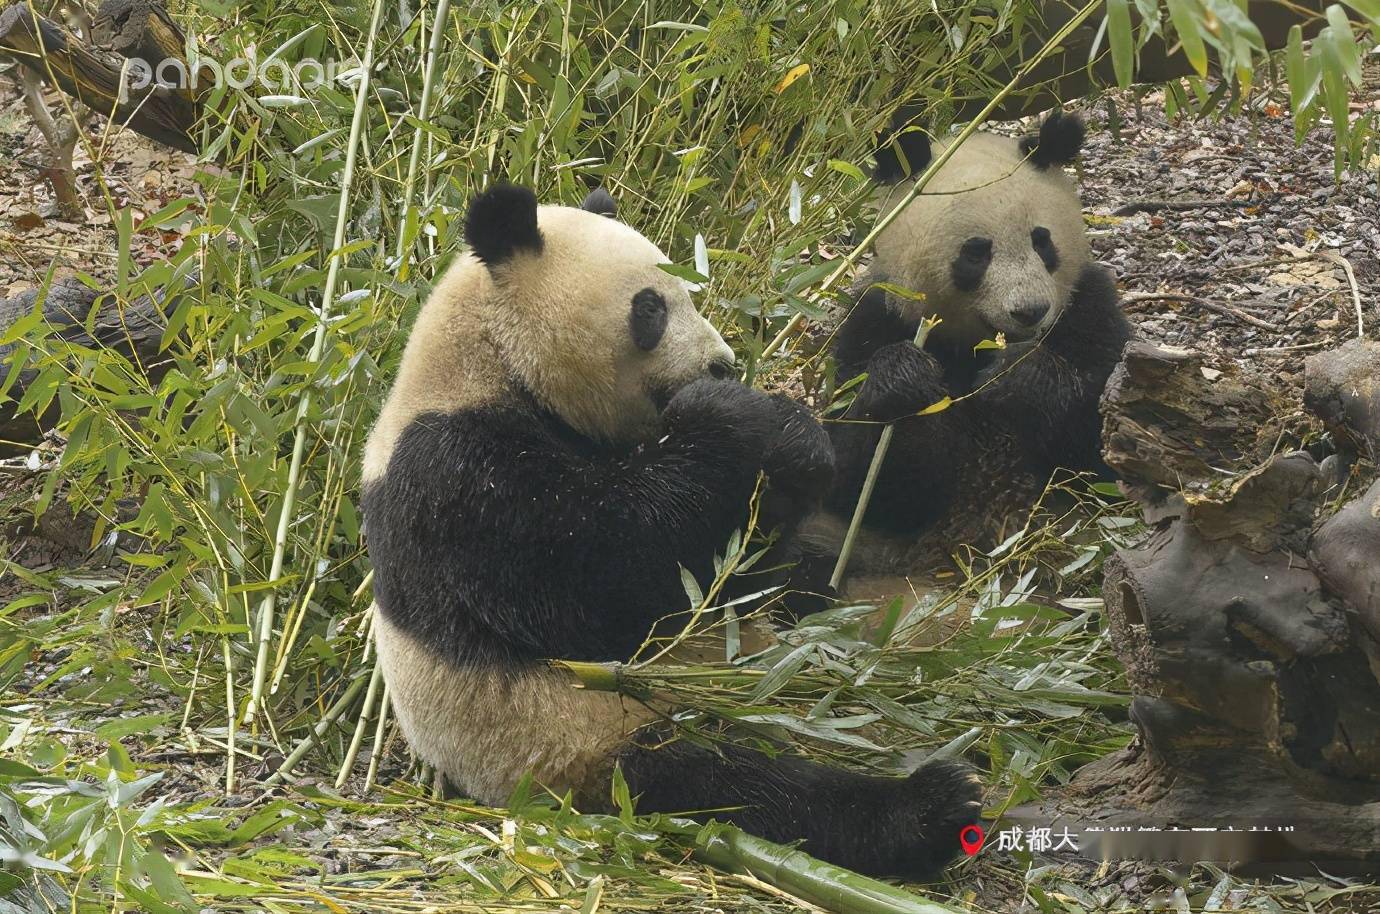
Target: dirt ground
point(1228, 238)
point(131, 170)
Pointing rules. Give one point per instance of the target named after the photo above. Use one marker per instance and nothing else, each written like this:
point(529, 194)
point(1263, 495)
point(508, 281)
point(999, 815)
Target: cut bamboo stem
point(808, 878)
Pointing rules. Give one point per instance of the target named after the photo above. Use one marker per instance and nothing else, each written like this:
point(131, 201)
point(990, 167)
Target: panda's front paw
point(803, 457)
point(944, 797)
point(1007, 363)
point(724, 413)
point(902, 379)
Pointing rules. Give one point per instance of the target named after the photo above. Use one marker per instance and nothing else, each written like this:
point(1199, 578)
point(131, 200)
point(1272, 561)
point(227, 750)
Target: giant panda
point(562, 438)
point(993, 245)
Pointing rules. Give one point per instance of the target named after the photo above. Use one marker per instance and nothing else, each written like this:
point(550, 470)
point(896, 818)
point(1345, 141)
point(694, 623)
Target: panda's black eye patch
point(968, 268)
point(1043, 244)
point(647, 320)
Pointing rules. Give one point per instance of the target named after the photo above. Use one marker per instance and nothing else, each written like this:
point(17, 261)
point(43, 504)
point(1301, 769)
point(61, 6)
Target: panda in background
point(995, 244)
point(562, 438)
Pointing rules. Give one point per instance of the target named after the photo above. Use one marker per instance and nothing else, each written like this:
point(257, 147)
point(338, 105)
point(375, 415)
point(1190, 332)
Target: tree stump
point(1342, 387)
point(1249, 619)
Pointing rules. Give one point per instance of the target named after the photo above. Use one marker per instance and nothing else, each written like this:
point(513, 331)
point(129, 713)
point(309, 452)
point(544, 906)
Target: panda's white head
point(583, 316)
point(566, 305)
point(995, 241)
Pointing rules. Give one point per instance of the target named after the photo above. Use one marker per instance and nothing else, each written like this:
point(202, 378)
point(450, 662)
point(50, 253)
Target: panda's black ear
point(1058, 143)
point(502, 222)
point(902, 153)
point(601, 203)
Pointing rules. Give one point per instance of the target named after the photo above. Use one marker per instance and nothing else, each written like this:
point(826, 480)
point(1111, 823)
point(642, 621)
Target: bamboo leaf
point(1122, 41)
point(1369, 9)
point(1344, 43)
point(1187, 18)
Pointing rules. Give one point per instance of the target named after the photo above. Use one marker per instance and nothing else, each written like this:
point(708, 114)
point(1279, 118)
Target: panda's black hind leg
point(894, 827)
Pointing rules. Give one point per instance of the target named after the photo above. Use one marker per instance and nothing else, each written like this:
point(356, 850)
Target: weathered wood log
point(1346, 553)
point(134, 329)
point(1171, 422)
point(138, 29)
point(1250, 632)
point(1232, 642)
point(1342, 387)
point(98, 81)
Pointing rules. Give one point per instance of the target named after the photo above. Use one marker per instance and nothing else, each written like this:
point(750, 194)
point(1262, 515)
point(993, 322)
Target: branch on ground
point(101, 80)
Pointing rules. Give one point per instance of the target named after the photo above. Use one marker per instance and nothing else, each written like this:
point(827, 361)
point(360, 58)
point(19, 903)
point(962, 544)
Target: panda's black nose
point(721, 369)
point(1030, 313)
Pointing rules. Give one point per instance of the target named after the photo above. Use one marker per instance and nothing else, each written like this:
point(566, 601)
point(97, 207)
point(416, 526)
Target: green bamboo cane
point(324, 724)
point(808, 878)
point(318, 346)
point(357, 738)
point(433, 56)
point(874, 469)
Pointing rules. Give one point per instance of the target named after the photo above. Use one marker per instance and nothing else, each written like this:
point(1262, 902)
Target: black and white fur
point(995, 244)
point(560, 441)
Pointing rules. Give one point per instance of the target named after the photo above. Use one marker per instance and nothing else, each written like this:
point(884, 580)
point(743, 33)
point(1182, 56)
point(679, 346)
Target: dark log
point(1066, 76)
point(138, 29)
point(134, 329)
point(1248, 629)
point(1342, 387)
point(161, 113)
point(1243, 649)
point(1346, 553)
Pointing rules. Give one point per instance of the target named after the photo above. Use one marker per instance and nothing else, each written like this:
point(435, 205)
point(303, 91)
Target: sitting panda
point(561, 440)
point(994, 244)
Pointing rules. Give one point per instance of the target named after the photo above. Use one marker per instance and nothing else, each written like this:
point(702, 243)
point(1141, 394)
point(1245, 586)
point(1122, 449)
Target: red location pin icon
point(971, 837)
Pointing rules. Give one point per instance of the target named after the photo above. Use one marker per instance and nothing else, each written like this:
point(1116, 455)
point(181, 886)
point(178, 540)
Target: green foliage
point(1320, 79)
point(92, 821)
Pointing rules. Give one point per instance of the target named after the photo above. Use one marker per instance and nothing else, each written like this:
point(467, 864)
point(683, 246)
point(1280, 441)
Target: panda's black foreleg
point(1047, 393)
point(927, 452)
point(799, 470)
point(881, 826)
point(871, 324)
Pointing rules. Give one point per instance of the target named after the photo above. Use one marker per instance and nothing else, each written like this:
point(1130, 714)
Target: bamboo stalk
point(597, 677)
point(229, 713)
point(318, 346)
point(874, 470)
point(433, 56)
point(357, 739)
point(292, 625)
point(808, 878)
point(846, 262)
point(377, 751)
point(318, 731)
